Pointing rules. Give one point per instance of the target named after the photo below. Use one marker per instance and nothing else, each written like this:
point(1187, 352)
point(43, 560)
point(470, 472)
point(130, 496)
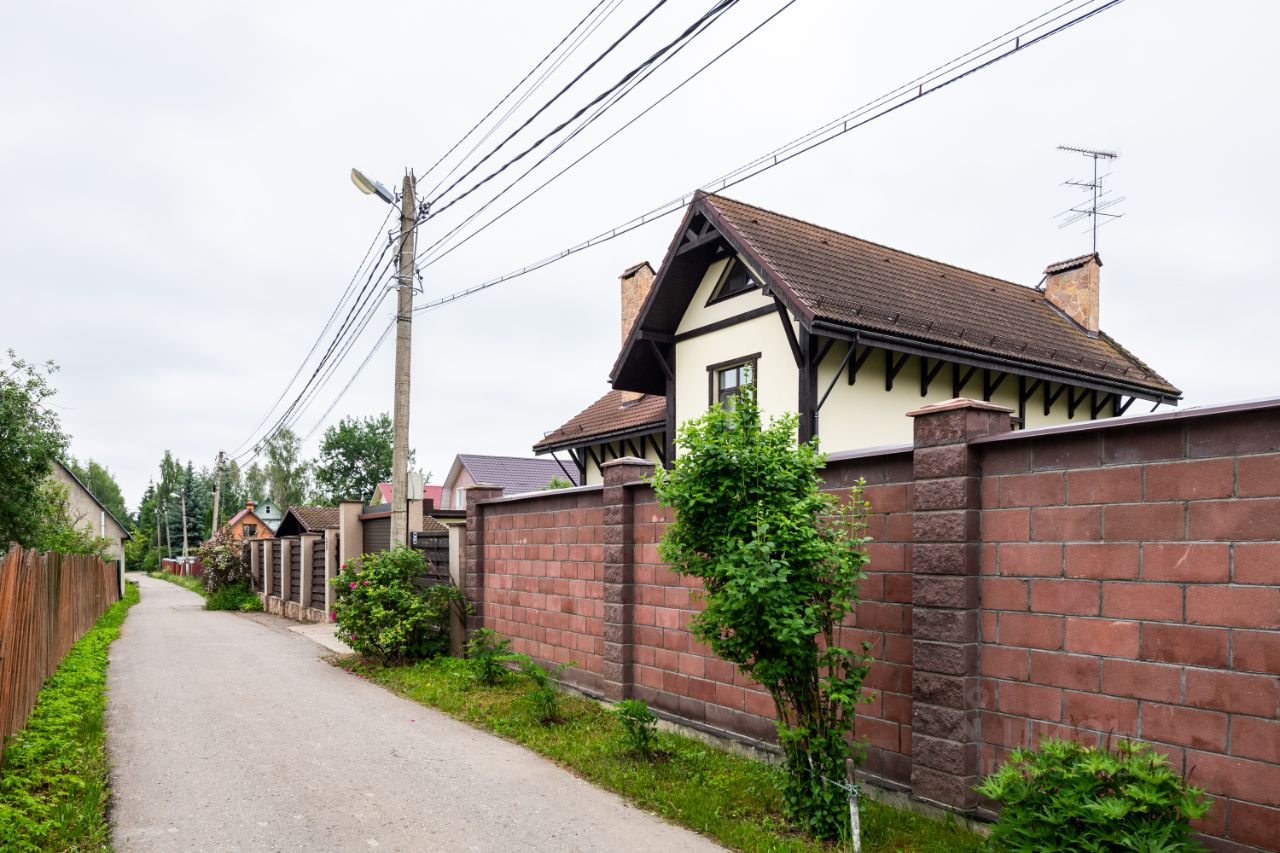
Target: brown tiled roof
point(854, 282)
point(614, 413)
point(313, 519)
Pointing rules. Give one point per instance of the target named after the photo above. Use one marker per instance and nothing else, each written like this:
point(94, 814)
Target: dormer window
point(735, 278)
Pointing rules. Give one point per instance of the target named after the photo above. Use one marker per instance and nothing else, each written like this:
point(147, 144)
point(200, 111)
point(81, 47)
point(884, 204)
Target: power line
point(336, 308)
point(553, 99)
point(909, 93)
point(511, 92)
point(588, 152)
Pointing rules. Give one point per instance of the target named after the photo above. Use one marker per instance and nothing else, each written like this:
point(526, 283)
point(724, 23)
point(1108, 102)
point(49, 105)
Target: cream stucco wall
point(616, 450)
point(854, 416)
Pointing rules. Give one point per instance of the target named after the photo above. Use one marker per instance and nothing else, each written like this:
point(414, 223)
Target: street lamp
point(409, 218)
point(370, 187)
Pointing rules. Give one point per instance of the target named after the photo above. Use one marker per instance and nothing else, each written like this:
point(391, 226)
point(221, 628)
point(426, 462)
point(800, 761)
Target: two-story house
point(848, 333)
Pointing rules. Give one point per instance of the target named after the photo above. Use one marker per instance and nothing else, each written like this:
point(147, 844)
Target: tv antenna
point(1097, 204)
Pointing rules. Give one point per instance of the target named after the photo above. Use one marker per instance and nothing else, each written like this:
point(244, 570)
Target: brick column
point(286, 581)
point(331, 564)
point(308, 542)
point(473, 567)
point(268, 580)
point(619, 583)
point(944, 595)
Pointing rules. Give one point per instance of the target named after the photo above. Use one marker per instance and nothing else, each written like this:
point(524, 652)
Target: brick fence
point(1111, 578)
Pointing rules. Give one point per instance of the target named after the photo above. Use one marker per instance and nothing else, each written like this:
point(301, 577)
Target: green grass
point(196, 585)
point(727, 797)
point(53, 776)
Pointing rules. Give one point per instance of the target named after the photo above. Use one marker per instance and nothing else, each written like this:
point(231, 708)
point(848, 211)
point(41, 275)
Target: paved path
point(226, 733)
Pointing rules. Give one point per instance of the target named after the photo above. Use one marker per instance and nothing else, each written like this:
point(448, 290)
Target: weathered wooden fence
point(47, 602)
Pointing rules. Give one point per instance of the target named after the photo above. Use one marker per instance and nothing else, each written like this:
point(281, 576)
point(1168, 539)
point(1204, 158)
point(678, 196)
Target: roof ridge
point(865, 241)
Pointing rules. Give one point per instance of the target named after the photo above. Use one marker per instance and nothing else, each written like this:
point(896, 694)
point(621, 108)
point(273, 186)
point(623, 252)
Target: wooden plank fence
point(47, 602)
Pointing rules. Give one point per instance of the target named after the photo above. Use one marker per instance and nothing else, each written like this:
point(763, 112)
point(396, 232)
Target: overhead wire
point(688, 79)
point(547, 105)
point(809, 141)
point(509, 93)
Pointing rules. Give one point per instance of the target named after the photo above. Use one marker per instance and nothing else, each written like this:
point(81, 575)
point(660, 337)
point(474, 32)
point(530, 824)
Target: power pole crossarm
point(404, 340)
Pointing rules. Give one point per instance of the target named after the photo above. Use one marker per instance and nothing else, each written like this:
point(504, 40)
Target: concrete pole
point(183, 496)
point(157, 535)
point(404, 337)
point(168, 540)
point(217, 489)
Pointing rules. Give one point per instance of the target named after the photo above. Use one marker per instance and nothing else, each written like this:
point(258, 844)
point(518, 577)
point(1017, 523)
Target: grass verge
point(53, 780)
point(235, 597)
point(727, 797)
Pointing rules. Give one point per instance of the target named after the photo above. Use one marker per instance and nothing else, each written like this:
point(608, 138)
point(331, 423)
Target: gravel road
point(228, 733)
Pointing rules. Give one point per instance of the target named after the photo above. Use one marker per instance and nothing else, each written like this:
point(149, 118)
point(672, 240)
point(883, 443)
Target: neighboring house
point(89, 512)
point(515, 474)
point(307, 519)
point(848, 333)
point(270, 514)
point(247, 524)
point(382, 494)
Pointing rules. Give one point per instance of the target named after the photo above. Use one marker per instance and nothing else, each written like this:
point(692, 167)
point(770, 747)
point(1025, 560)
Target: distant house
point(89, 512)
point(515, 474)
point(307, 519)
point(382, 494)
point(270, 514)
point(849, 334)
point(247, 524)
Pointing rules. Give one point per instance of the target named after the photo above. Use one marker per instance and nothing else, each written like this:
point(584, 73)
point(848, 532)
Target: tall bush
point(382, 613)
point(780, 563)
point(223, 559)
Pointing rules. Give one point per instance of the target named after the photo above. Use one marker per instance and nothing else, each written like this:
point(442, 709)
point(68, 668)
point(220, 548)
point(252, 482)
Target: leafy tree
point(355, 456)
point(61, 529)
point(558, 482)
point(31, 439)
point(780, 563)
point(255, 483)
point(100, 482)
point(288, 475)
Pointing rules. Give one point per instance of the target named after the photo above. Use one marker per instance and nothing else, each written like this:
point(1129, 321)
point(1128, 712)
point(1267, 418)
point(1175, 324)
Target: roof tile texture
point(615, 412)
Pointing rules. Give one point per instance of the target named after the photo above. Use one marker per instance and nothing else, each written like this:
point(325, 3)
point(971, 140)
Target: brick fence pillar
point(619, 580)
point(946, 538)
point(473, 567)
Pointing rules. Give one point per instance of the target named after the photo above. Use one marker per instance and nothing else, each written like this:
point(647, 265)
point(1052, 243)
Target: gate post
point(619, 563)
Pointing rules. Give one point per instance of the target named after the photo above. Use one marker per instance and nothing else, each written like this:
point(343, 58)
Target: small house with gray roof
point(515, 474)
point(848, 333)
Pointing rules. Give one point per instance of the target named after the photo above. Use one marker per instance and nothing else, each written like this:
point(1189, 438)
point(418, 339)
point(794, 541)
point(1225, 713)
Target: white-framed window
point(459, 498)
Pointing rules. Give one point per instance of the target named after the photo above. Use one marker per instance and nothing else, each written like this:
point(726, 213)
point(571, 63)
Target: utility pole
point(184, 525)
point(158, 534)
point(217, 488)
point(404, 338)
point(168, 541)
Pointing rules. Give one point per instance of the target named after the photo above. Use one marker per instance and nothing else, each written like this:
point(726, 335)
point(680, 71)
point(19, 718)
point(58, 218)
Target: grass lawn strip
point(53, 779)
point(196, 585)
point(727, 797)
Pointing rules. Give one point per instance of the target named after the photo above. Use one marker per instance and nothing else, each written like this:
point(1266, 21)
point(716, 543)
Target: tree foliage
point(355, 456)
point(288, 475)
point(100, 482)
point(61, 529)
point(780, 563)
point(31, 440)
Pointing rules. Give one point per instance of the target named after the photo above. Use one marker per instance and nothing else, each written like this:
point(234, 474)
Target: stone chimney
point(635, 283)
point(1072, 286)
point(249, 505)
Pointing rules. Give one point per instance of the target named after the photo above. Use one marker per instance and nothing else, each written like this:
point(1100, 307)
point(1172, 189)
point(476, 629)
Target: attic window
point(735, 278)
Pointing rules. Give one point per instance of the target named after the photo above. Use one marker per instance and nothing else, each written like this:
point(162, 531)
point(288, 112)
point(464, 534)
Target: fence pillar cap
point(958, 403)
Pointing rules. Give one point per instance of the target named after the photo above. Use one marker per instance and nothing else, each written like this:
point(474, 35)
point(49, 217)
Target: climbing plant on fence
point(780, 563)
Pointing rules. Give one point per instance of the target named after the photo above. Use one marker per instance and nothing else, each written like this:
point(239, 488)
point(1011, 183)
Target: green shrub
point(639, 726)
point(487, 654)
point(53, 787)
point(223, 559)
point(235, 597)
point(382, 613)
point(780, 562)
point(1066, 796)
point(545, 694)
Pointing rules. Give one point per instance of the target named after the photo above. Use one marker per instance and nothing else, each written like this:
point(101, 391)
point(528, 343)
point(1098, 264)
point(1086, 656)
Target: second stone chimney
point(1072, 286)
point(634, 283)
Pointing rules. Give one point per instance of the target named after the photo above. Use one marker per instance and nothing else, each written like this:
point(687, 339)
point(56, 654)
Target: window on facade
point(459, 498)
point(730, 381)
point(250, 530)
point(735, 279)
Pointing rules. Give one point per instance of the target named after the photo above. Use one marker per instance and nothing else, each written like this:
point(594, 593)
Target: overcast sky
point(177, 220)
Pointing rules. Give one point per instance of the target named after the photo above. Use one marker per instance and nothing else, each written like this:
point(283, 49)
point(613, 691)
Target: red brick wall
point(1127, 578)
point(542, 579)
point(1129, 587)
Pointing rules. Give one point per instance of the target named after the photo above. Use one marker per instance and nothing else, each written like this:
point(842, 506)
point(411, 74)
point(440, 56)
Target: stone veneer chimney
point(1072, 286)
point(635, 283)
